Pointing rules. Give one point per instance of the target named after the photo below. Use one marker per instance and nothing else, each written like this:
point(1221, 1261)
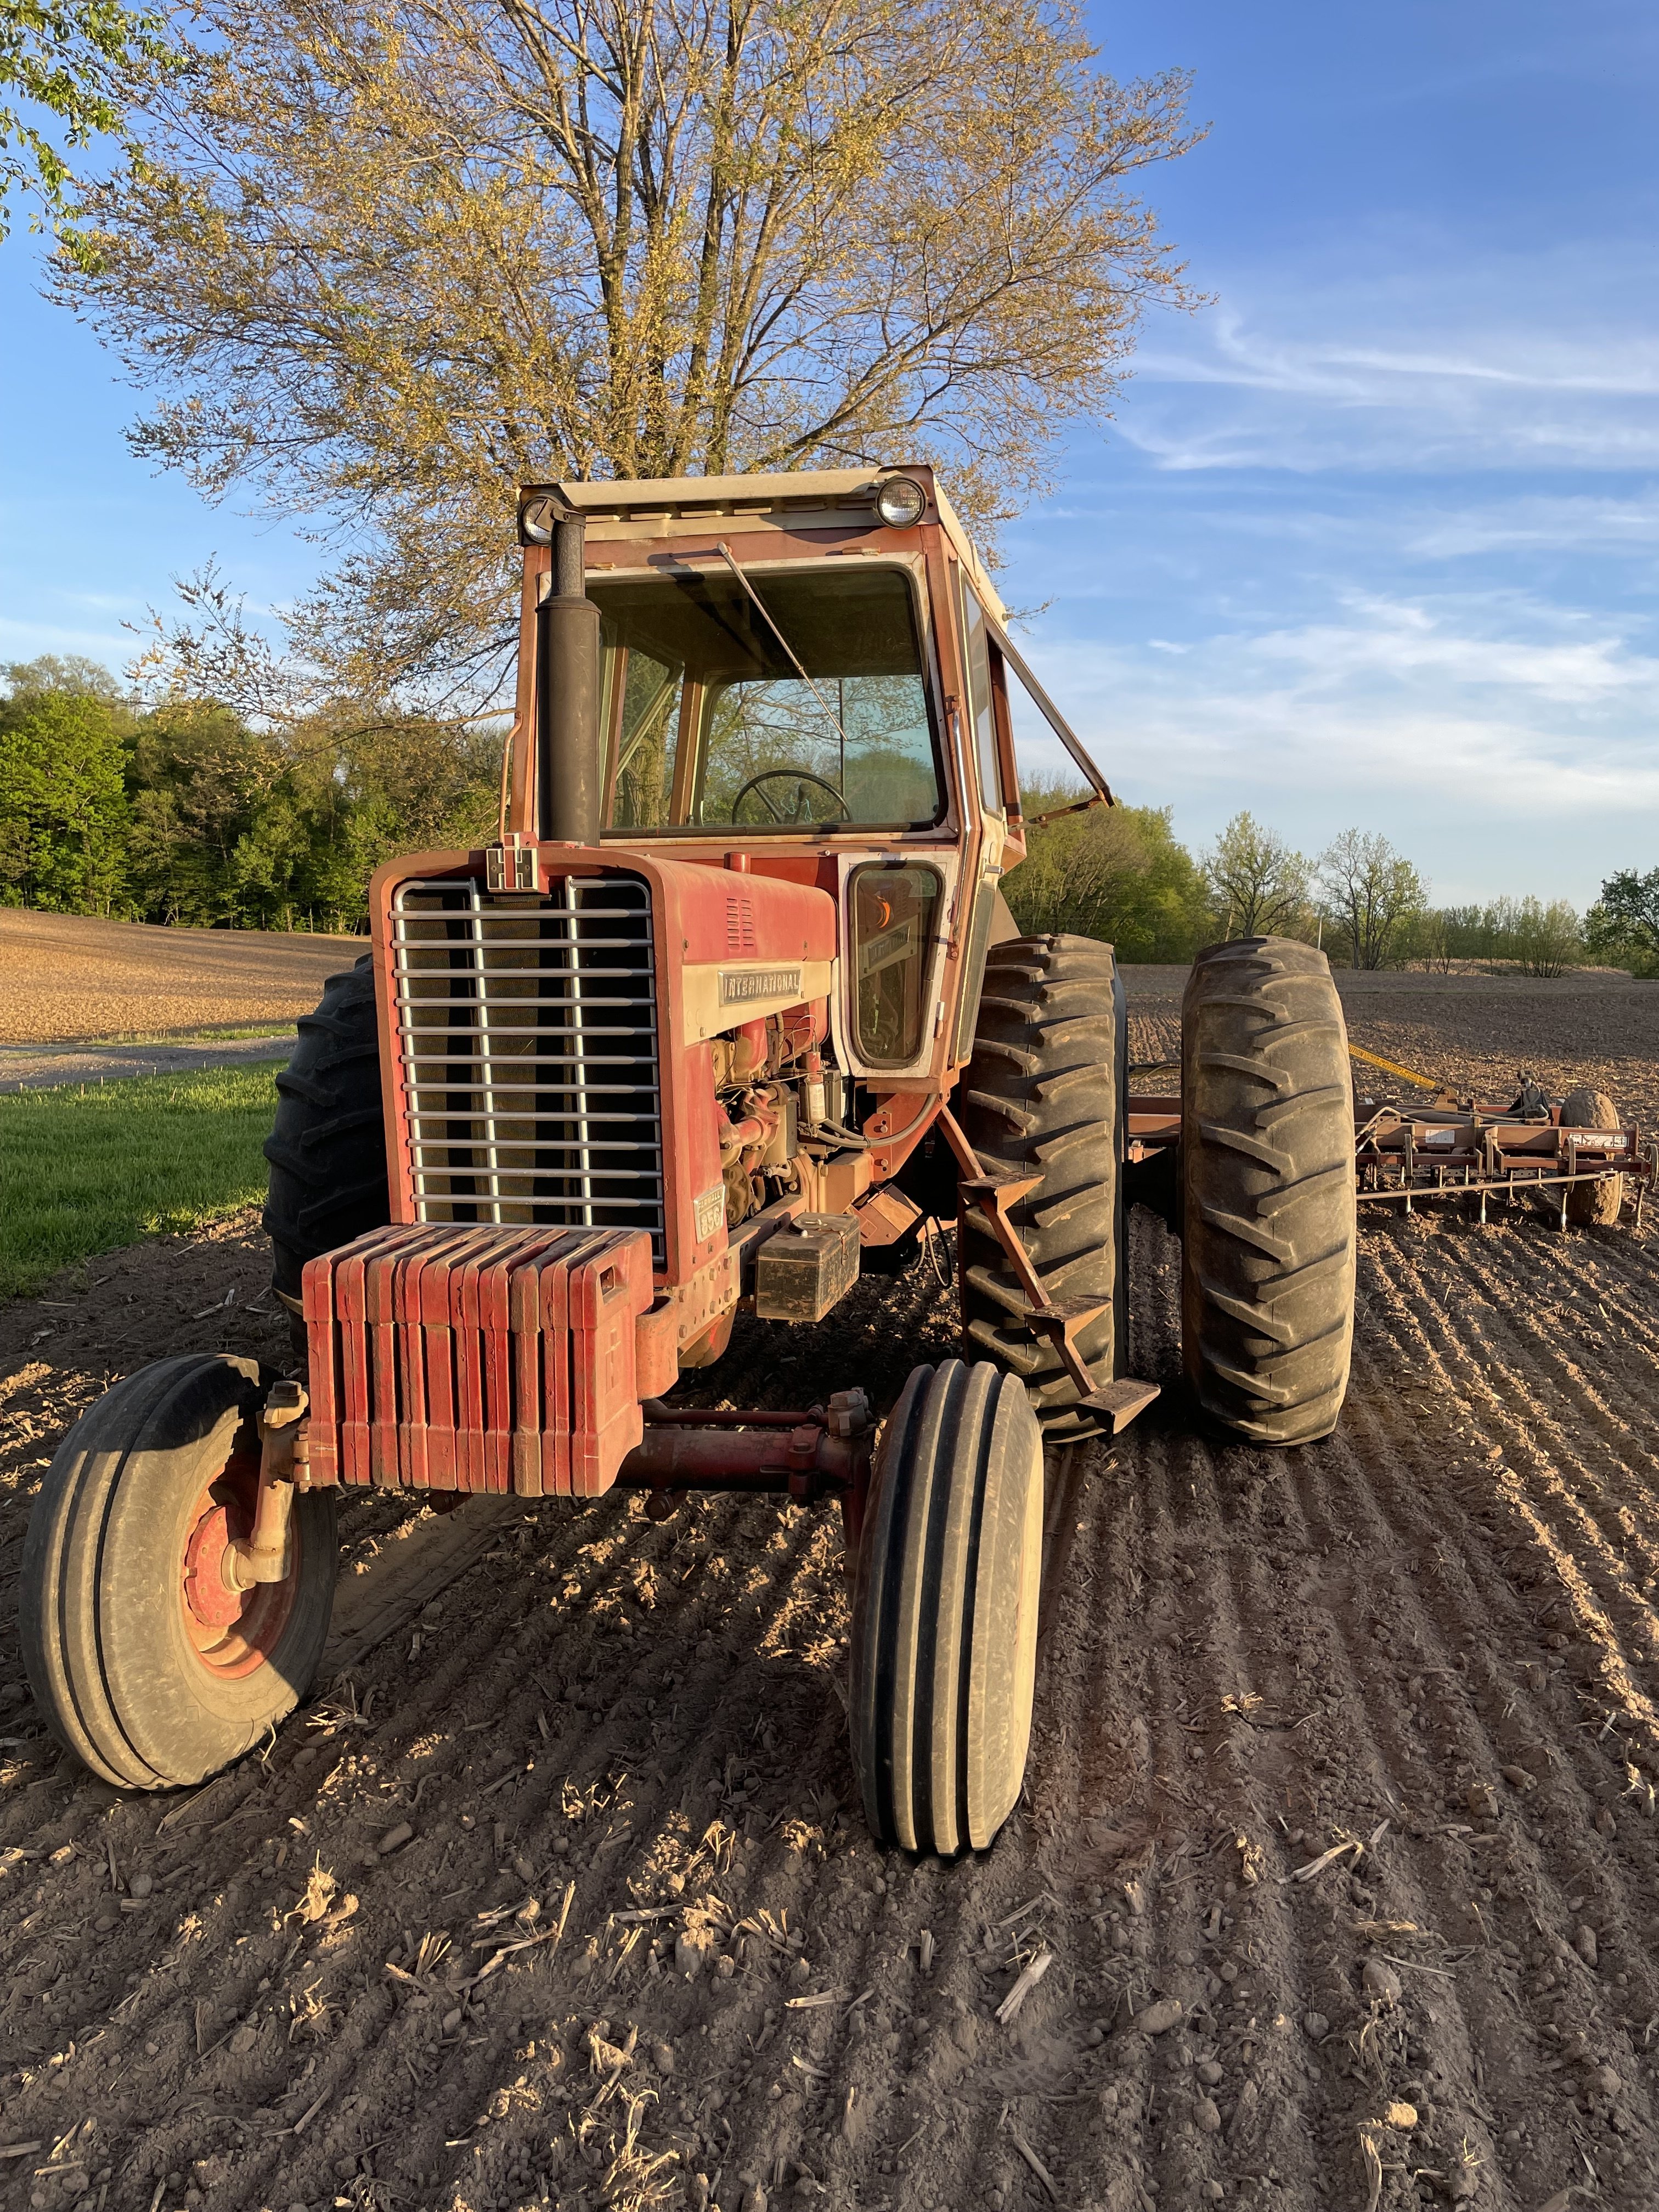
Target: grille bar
point(528, 1031)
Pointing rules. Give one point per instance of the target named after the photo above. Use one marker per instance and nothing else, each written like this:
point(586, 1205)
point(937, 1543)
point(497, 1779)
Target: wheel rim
point(231, 1631)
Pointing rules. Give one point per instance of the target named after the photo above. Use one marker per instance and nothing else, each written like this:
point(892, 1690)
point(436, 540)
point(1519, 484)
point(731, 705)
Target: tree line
point(186, 813)
point(191, 812)
point(1121, 875)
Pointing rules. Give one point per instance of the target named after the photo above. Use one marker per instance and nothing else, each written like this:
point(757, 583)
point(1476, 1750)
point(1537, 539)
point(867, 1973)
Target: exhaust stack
point(568, 776)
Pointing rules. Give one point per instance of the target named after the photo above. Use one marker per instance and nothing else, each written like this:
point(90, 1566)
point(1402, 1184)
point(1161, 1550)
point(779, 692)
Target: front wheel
point(944, 1610)
point(148, 1665)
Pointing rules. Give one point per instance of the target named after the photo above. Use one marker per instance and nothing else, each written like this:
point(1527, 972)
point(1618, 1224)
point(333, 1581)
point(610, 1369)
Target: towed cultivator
point(731, 1009)
point(1469, 1155)
point(1574, 1152)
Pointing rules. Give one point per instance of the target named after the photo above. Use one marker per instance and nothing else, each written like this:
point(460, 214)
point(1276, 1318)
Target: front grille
point(528, 1030)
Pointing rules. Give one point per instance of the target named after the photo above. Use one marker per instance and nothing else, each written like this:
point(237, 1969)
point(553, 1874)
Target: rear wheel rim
point(232, 1632)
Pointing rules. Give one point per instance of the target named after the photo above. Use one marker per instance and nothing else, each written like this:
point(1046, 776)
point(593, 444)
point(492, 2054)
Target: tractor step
point(1120, 1401)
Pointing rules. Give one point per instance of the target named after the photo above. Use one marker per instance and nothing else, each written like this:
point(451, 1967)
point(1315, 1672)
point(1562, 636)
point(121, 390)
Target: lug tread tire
point(1593, 1205)
point(1044, 1093)
point(99, 1579)
point(327, 1151)
point(1268, 1237)
point(944, 1611)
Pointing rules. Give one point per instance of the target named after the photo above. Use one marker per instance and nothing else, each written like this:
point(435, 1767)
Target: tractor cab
point(807, 678)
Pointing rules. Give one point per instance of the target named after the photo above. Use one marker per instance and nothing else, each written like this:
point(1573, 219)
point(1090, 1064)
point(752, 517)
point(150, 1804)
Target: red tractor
point(730, 1010)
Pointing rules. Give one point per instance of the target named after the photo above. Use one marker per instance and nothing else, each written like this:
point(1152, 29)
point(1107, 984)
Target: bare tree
point(1370, 892)
point(1258, 885)
point(386, 258)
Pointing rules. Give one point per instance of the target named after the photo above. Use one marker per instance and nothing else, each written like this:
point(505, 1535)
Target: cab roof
point(832, 492)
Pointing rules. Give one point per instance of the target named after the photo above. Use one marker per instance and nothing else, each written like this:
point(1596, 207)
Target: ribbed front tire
point(147, 1665)
point(1269, 1238)
point(944, 1611)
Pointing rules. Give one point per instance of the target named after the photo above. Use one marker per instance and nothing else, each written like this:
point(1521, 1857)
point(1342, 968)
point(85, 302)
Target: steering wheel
point(798, 776)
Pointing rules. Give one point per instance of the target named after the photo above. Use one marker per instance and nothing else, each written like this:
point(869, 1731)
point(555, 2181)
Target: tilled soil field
point(70, 976)
point(1336, 1882)
point(1472, 1032)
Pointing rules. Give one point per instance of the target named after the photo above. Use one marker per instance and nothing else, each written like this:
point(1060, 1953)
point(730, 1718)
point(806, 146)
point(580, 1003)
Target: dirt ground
point(1339, 1835)
point(1475, 1032)
point(66, 976)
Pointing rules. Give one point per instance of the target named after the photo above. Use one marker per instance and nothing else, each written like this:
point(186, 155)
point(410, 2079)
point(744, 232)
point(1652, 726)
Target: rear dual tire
point(1269, 1240)
point(327, 1149)
point(1045, 1094)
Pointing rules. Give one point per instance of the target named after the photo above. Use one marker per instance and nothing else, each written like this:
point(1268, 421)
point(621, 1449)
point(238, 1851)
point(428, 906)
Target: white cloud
point(26, 641)
point(1419, 354)
point(1506, 742)
point(1581, 524)
point(1409, 644)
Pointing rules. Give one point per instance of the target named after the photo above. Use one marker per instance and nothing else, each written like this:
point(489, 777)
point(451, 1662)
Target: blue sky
point(1374, 538)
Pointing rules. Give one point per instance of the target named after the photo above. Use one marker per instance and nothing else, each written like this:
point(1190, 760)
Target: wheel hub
point(232, 1630)
point(208, 1596)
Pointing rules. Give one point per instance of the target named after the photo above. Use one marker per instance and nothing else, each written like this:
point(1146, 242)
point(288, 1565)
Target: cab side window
point(981, 711)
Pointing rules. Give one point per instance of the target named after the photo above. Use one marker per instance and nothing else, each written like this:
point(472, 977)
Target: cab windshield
point(709, 722)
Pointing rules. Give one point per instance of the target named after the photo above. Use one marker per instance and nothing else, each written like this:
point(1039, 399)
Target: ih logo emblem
point(740, 984)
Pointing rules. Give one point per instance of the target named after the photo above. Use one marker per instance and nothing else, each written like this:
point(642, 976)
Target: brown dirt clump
point(66, 976)
point(1340, 1832)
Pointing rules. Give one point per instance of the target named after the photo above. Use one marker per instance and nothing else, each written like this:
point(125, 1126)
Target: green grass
point(229, 1034)
point(85, 1167)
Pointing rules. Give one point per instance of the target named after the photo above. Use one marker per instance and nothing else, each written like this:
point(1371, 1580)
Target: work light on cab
point(901, 502)
point(536, 521)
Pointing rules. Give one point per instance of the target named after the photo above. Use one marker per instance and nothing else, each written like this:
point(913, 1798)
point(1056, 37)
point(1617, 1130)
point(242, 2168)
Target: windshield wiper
point(770, 620)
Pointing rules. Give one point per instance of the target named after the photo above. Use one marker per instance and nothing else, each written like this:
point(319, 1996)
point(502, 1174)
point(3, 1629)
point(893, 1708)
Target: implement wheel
point(1592, 1204)
point(327, 1151)
point(1266, 1151)
point(147, 1664)
point(1044, 1095)
point(944, 1611)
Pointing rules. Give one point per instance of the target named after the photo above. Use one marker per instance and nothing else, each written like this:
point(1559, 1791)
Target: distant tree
point(1623, 923)
point(197, 780)
point(1259, 885)
point(1425, 942)
point(1467, 931)
point(71, 672)
point(63, 802)
point(1116, 873)
point(274, 829)
point(65, 67)
point(1547, 938)
point(1541, 937)
point(1369, 894)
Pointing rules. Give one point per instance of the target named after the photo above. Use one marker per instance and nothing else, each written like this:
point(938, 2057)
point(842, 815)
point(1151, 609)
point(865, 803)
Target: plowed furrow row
point(1576, 1502)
